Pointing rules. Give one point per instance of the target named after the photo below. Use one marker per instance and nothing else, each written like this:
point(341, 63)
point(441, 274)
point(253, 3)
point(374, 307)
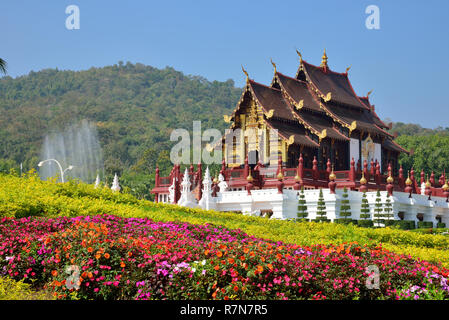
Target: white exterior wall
point(284, 205)
point(354, 150)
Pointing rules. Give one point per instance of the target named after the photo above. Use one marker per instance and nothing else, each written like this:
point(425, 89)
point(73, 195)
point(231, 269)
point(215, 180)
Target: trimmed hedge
point(345, 221)
point(441, 225)
point(365, 223)
point(425, 224)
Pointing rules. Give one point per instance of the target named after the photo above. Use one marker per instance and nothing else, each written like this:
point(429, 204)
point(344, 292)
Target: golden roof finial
point(274, 65)
point(324, 60)
point(299, 54)
point(369, 92)
point(246, 73)
point(347, 69)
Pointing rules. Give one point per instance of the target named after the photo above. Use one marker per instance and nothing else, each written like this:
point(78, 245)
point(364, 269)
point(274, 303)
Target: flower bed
point(108, 257)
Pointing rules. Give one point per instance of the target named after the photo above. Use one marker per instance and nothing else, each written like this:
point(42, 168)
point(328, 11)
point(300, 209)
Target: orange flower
point(214, 295)
point(98, 256)
point(270, 266)
point(245, 250)
point(206, 252)
point(90, 275)
point(259, 268)
point(54, 273)
point(236, 288)
point(90, 249)
point(242, 258)
point(130, 254)
point(219, 254)
point(84, 274)
point(106, 255)
point(122, 264)
point(217, 267)
point(231, 260)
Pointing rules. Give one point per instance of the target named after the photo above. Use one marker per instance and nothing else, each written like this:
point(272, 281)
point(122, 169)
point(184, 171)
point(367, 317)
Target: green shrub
point(441, 225)
point(345, 221)
point(18, 290)
point(425, 224)
point(365, 223)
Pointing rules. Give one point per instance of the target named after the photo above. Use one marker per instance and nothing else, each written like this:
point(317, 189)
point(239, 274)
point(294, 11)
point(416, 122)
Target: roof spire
point(324, 60)
point(274, 65)
point(299, 54)
point(246, 73)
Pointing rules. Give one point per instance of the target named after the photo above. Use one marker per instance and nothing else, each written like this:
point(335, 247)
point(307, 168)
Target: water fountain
point(78, 145)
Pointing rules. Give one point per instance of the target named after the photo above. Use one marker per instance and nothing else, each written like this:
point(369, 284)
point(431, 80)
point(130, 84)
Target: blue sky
point(405, 62)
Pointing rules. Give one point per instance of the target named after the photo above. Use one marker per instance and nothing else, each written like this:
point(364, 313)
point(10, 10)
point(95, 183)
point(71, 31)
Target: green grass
point(18, 290)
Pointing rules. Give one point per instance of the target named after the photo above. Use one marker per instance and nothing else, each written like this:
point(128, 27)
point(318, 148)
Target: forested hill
point(135, 107)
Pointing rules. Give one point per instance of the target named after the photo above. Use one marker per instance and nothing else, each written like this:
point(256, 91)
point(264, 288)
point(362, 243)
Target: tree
point(364, 208)
point(378, 209)
point(345, 207)
point(321, 214)
point(302, 207)
point(3, 66)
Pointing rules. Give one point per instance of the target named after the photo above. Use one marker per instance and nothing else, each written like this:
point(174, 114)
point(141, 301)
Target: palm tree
point(2, 66)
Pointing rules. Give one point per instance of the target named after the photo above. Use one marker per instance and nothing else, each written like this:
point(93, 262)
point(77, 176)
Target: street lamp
point(59, 165)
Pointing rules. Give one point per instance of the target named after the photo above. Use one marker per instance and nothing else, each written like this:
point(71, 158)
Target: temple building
point(307, 132)
point(317, 114)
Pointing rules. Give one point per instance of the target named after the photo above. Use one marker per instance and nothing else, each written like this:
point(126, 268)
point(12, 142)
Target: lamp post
point(59, 165)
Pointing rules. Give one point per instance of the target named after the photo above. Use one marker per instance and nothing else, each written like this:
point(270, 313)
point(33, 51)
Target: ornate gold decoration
point(322, 135)
point(298, 178)
point(369, 92)
point(252, 119)
point(274, 65)
point(390, 179)
point(353, 126)
point(363, 179)
point(227, 118)
point(428, 184)
point(280, 176)
point(328, 97)
point(368, 148)
point(408, 182)
point(291, 140)
point(249, 178)
point(445, 187)
point(332, 175)
point(299, 105)
point(246, 73)
point(347, 69)
point(324, 59)
point(269, 114)
point(299, 54)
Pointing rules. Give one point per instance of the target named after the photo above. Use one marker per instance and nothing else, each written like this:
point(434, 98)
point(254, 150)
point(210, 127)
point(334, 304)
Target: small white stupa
point(187, 198)
point(207, 201)
point(115, 185)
